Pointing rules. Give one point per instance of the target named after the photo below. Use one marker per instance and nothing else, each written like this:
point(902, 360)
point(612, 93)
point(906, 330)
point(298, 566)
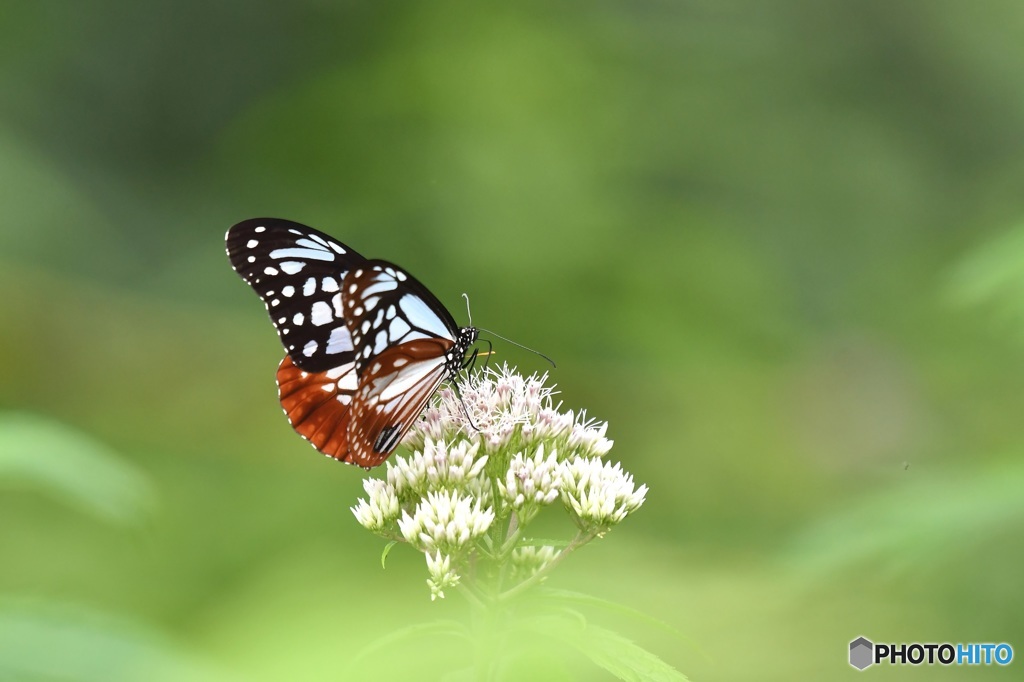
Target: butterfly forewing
point(299, 273)
point(392, 392)
point(385, 306)
point(318, 405)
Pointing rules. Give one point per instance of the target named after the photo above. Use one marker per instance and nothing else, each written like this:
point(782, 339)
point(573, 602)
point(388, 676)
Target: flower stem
point(581, 539)
point(473, 596)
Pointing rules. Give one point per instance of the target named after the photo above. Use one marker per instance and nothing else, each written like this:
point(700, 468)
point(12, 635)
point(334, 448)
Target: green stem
point(514, 531)
point(477, 600)
point(581, 539)
point(485, 629)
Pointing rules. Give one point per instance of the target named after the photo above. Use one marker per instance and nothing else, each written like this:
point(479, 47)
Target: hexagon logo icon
point(861, 653)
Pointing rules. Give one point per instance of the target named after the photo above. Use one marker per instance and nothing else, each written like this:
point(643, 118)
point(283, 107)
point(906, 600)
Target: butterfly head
point(457, 355)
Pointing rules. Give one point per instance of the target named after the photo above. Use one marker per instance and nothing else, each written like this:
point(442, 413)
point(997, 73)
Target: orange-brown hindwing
point(318, 405)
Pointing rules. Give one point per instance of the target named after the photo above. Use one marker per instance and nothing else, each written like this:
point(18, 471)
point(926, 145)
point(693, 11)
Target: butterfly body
point(367, 344)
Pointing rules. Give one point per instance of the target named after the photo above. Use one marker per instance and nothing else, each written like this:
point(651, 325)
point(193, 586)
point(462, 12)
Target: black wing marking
point(299, 274)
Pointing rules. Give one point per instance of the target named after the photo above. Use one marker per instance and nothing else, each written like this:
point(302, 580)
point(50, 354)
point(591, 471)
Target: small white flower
point(438, 465)
point(588, 437)
point(531, 482)
point(599, 493)
point(380, 509)
point(439, 566)
point(529, 560)
point(445, 520)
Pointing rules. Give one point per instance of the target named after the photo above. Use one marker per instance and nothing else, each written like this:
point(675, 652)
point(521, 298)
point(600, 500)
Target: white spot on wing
point(309, 287)
point(295, 252)
point(288, 291)
point(309, 349)
point(339, 341)
point(420, 315)
point(378, 288)
point(298, 320)
point(252, 243)
point(380, 343)
point(270, 271)
point(292, 266)
point(260, 229)
point(399, 328)
point(329, 284)
point(349, 382)
point(408, 377)
point(321, 314)
point(336, 372)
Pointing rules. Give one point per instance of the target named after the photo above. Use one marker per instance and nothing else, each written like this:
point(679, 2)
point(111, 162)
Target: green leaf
point(609, 650)
point(556, 595)
point(387, 550)
point(73, 467)
point(411, 632)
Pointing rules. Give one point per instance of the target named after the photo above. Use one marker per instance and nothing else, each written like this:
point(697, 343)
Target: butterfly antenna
point(469, 313)
point(536, 352)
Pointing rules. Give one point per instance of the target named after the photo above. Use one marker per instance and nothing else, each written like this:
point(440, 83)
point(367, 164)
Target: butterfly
point(367, 344)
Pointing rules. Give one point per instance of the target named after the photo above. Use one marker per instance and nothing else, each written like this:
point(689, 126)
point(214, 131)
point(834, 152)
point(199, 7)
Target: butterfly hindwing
point(299, 273)
point(318, 405)
point(392, 392)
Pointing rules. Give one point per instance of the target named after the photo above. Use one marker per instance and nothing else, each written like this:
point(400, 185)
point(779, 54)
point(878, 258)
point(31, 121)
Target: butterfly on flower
point(367, 344)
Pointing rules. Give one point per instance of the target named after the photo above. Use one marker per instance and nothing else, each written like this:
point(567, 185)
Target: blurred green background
point(778, 246)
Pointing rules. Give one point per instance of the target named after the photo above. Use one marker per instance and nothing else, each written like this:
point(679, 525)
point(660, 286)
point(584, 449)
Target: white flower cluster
point(599, 493)
point(531, 482)
point(437, 465)
point(445, 521)
point(439, 566)
point(507, 410)
point(380, 509)
point(529, 560)
point(514, 454)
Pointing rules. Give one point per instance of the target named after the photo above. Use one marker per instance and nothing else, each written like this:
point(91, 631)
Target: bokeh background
point(777, 246)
